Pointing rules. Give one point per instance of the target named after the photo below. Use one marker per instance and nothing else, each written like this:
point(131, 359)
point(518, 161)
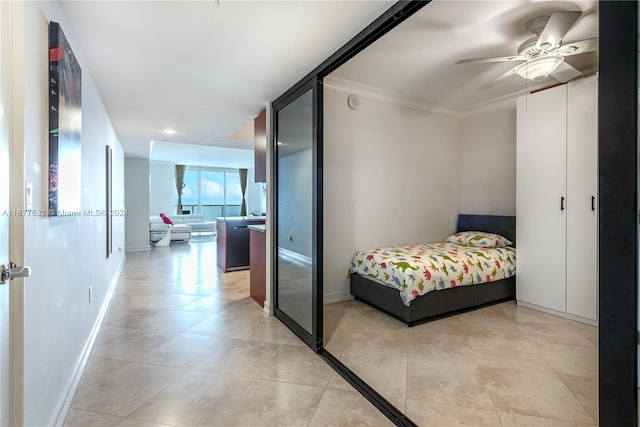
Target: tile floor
point(501, 365)
point(183, 345)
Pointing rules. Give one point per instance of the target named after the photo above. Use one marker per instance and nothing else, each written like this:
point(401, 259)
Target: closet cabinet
point(556, 206)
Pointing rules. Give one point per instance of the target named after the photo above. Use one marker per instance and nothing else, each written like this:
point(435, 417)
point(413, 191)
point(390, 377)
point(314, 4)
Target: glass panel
point(295, 210)
point(233, 197)
point(211, 194)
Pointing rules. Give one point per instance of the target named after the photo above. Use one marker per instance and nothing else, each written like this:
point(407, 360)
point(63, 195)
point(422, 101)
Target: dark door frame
point(618, 220)
point(618, 217)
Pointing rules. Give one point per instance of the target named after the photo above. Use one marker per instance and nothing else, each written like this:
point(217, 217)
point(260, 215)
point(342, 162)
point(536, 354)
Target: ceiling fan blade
point(558, 25)
point(500, 78)
point(492, 59)
point(578, 47)
point(565, 72)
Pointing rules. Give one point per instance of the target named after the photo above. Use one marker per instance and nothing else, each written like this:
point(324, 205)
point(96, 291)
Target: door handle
point(593, 203)
point(8, 272)
point(561, 203)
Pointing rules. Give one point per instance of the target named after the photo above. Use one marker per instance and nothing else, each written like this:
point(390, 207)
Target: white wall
point(488, 163)
point(162, 188)
point(67, 254)
point(295, 202)
point(391, 176)
point(136, 178)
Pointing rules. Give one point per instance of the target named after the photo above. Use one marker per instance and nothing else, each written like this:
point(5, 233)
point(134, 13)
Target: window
point(233, 195)
point(211, 192)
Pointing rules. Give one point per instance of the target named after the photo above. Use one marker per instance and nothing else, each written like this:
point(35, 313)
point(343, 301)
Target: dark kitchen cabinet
point(258, 261)
point(260, 147)
point(233, 242)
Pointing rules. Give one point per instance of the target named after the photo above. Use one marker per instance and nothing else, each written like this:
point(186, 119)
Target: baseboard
point(582, 319)
point(268, 308)
point(334, 297)
point(62, 408)
point(138, 248)
point(558, 313)
point(541, 308)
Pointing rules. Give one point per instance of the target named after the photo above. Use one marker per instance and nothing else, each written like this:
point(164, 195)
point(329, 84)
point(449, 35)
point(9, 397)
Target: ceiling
point(201, 155)
point(415, 62)
point(204, 68)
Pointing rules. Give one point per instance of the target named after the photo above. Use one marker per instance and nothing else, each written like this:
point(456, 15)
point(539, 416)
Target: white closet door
point(582, 185)
point(541, 183)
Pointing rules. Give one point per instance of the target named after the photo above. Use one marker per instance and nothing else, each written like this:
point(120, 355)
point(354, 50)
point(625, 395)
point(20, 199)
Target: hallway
point(183, 344)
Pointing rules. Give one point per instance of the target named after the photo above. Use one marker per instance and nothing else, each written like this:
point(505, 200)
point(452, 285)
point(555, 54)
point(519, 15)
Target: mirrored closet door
point(401, 163)
point(296, 222)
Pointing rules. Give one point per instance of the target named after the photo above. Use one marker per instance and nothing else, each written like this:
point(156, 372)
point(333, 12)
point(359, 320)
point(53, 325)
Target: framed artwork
point(109, 196)
point(65, 123)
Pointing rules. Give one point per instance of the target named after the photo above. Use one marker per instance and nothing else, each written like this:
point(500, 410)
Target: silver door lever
point(11, 272)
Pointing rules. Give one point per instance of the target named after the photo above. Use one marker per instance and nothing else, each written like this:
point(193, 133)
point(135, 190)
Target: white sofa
point(183, 226)
point(157, 230)
point(196, 221)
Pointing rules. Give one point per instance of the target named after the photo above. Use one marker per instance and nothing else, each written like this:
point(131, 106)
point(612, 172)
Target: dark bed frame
point(438, 303)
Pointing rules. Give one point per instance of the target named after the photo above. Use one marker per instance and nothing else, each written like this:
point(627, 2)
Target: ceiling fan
point(543, 55)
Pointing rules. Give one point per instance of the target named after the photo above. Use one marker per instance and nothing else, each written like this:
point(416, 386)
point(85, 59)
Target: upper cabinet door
point(260, 147)
point(542, 202)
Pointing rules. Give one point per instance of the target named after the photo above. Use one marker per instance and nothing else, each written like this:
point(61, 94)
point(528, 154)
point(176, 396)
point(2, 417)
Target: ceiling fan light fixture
point(539, 68)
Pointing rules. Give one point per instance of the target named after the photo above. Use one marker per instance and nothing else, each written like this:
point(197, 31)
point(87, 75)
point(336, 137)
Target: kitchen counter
point(262, 228)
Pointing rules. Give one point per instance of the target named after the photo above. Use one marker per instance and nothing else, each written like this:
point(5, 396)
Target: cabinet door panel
point(260, 147)
point(237, 245)
point(582, 185)
point(541, 183)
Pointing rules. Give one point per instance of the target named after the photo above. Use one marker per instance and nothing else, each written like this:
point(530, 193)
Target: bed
point(444, 301)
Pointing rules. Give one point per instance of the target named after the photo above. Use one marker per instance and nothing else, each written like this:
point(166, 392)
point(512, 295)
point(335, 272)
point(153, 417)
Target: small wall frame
point(109, 198)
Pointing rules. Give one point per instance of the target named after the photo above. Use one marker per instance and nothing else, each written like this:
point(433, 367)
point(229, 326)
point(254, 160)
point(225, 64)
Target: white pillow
point(480, 239)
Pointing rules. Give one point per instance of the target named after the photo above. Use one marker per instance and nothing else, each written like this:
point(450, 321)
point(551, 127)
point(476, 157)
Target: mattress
point(418, 269)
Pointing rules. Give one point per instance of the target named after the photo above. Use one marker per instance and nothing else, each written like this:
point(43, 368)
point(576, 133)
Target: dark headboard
point(502, 225)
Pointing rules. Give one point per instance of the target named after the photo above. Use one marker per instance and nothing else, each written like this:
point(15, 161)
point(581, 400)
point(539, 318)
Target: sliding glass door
point(212, 192)
point(298, 212)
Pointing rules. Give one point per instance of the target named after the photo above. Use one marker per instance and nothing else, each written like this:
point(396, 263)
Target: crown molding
point(499, 104)
point(351, 87)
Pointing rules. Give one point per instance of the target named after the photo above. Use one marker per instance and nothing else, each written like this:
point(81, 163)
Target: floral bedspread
point(418, 269)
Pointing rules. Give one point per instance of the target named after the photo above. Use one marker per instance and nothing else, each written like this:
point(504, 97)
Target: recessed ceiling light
point(169, 131)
